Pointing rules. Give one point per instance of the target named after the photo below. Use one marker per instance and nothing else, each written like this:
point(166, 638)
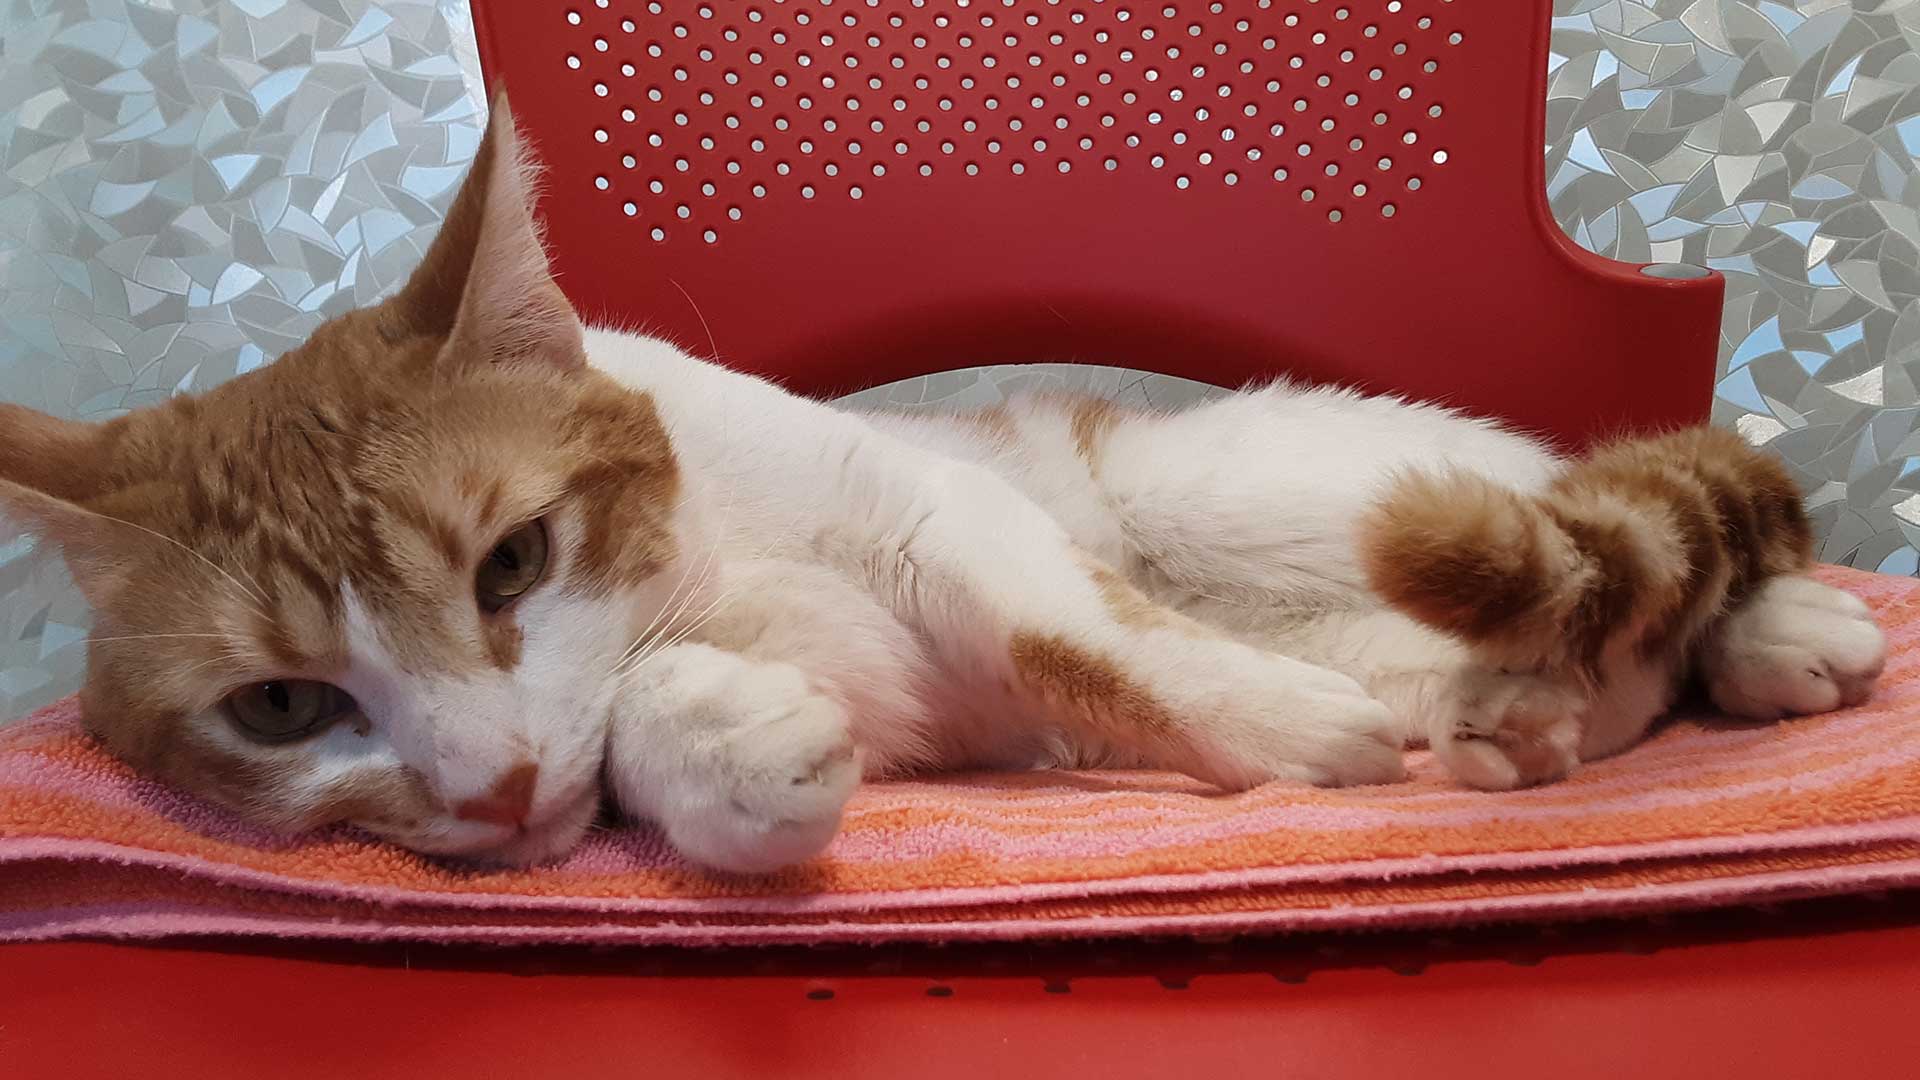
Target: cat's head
point(387, 579)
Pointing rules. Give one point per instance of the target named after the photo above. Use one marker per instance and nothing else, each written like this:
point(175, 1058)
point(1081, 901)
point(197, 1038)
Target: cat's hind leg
point(1004, 600)
point(1254, 498)
point(1244, 513)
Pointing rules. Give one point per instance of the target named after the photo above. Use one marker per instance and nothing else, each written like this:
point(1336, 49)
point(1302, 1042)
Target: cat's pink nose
point(508, 802)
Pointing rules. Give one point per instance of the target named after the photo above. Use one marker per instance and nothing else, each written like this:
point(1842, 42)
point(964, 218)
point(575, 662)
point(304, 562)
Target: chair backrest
point(842, 193)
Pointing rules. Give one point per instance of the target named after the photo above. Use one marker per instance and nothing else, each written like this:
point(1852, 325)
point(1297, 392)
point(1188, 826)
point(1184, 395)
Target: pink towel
point(1704, 813)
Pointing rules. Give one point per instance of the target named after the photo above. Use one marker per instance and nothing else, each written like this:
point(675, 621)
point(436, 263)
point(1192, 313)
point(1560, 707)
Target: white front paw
point(1499, 731)
point(1795, 648)
point(758, 774)
point(1314, 725)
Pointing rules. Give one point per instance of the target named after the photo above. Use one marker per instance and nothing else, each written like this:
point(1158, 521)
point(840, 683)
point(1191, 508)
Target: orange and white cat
point(458, 568)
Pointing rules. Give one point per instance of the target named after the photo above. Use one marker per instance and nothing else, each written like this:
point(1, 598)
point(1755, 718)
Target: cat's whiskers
point(713, 347)
point(681, 635)
point(713, 609)
point(654, 646)
point(671, 610)
point(668, 616)
point(277, 429)
point(231, 653)
point(207, 663)
point(608, 462)
point(675, 606)
point(151, 637)
point(249, 589)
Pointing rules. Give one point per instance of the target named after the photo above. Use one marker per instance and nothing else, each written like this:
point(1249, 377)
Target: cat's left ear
point(485, 284)
point(48, 468)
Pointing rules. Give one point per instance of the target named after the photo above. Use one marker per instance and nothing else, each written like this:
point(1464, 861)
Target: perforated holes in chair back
point(843, 193)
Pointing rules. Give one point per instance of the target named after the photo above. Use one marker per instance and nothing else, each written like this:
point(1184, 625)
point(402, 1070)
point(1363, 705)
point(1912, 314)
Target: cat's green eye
point(287, 709)
point(512, 567)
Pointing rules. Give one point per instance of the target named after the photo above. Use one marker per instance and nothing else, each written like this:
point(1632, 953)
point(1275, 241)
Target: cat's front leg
point(1003, 598)
point(743, 763)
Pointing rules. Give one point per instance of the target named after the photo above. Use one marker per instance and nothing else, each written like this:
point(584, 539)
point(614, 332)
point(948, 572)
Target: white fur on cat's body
point(860, 575)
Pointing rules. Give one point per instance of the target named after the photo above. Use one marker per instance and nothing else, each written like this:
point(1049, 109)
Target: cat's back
point(778, 465)
point(709, 409)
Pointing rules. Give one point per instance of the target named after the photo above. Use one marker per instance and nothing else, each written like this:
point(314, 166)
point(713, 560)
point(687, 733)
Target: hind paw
point(1499, 731)
point(1795, 648)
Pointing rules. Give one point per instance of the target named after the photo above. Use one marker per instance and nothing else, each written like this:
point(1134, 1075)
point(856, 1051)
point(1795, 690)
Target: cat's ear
point(67, 459)
point(47, 467)
point(485, 284)
point(97, 549)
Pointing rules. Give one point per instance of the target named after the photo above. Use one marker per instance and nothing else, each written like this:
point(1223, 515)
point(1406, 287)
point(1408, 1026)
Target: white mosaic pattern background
point(188, 186)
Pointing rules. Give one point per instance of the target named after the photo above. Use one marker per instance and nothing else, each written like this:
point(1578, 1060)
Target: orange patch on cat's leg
point(1090, 690)
point(1231, 715)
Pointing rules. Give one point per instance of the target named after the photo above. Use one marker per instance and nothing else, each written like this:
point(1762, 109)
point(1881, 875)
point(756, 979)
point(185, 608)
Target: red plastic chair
point(1342, 190)
point(846, 193)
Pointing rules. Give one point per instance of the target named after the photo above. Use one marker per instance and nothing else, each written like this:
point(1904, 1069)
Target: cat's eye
point(512, 567)
point(287, 709)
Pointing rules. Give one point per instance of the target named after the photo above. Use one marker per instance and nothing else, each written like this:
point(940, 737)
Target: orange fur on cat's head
point(323, 519)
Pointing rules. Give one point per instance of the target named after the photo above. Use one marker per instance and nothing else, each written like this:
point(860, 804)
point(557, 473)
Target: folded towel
point(1707, 812)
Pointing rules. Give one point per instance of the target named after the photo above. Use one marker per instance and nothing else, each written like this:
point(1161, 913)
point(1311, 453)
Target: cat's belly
point(1030, 444)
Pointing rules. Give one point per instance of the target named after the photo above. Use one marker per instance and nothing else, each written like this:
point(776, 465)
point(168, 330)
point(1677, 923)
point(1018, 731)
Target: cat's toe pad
point(1795, 648)
point(1499, 731)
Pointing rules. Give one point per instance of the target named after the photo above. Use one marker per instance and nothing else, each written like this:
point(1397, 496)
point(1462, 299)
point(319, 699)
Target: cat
point(459, 567)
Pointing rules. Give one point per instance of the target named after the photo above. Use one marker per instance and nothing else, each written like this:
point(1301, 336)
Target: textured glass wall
point(187, 187)
point(1776, 143)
